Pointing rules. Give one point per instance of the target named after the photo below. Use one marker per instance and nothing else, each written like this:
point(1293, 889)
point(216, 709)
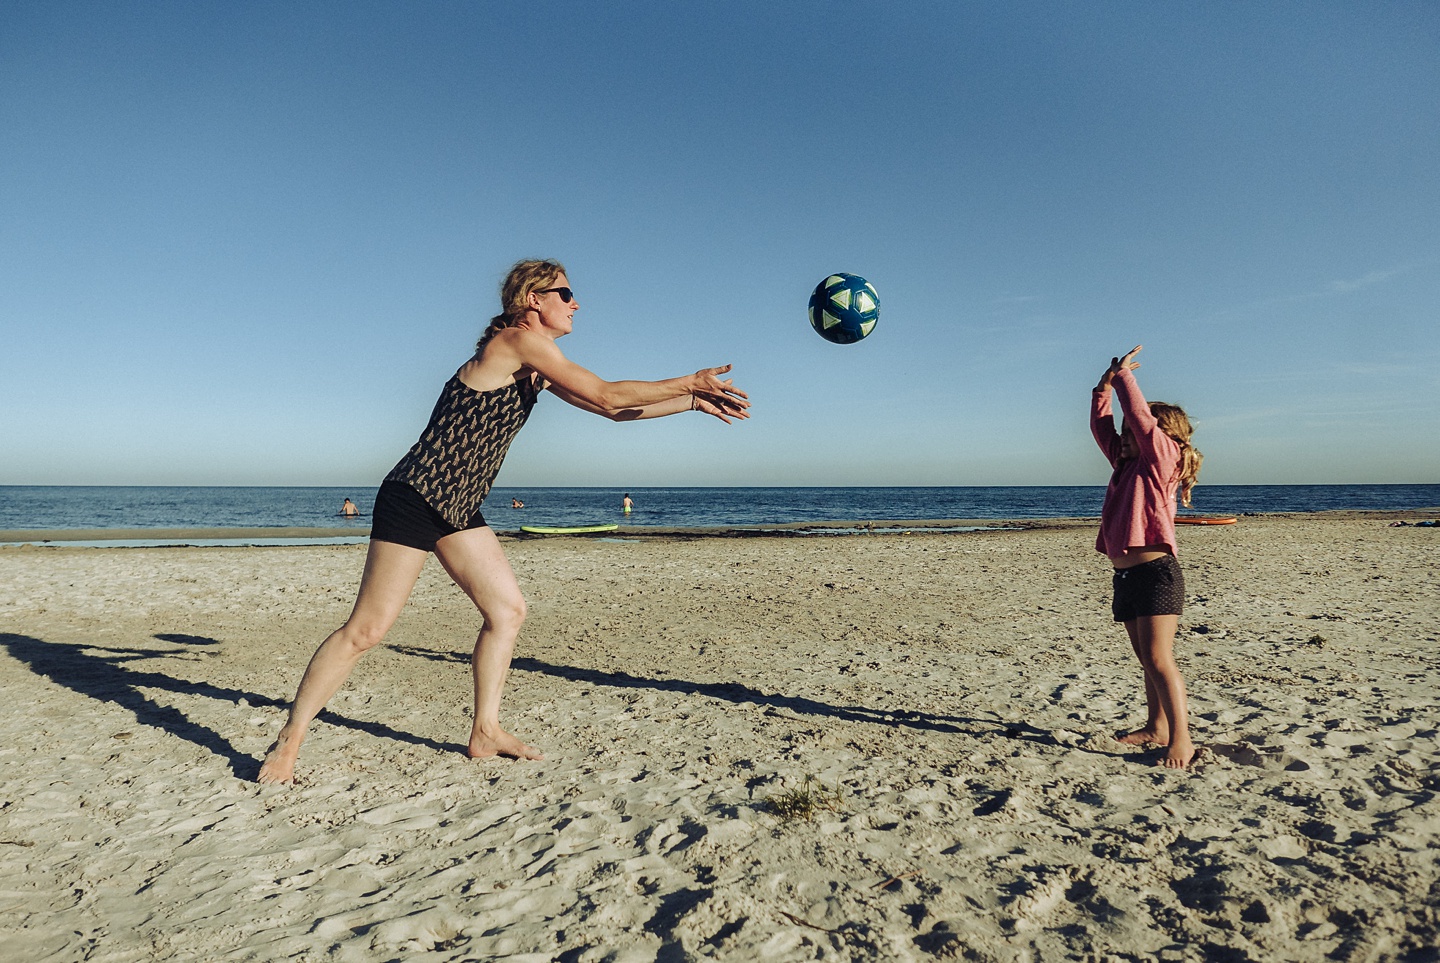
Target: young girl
point(1152, 458)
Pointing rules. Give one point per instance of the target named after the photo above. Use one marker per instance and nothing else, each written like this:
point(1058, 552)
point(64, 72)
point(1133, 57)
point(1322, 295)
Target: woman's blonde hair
point(1174, 422)
point(524, 277)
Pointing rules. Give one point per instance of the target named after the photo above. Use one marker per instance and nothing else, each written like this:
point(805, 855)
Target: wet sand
point(945, 703)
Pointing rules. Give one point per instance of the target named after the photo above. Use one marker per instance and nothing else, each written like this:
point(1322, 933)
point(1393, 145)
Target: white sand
point(953, 695)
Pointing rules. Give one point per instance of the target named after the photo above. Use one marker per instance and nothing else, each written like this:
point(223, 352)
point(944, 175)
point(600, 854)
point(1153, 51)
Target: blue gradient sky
point(245, 243)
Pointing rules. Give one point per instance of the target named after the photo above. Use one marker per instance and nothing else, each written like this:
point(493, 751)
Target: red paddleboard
point(1204, 519)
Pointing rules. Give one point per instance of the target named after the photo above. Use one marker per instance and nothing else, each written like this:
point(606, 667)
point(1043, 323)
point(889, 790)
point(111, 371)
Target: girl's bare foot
point(498, 742)
point(279, 765)
point(1144, 737)
point(1182, 752)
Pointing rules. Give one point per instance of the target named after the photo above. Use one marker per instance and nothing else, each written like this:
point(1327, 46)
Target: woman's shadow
point(105, 674)
point(741, 694)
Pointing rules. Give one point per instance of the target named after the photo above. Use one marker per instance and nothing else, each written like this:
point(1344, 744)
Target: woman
point(430, 501)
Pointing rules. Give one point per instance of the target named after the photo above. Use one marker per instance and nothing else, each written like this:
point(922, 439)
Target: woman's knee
point(505, 613)
point(362, 635)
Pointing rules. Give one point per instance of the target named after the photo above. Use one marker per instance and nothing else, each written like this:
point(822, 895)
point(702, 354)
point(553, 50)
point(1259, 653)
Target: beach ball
point(844, 308)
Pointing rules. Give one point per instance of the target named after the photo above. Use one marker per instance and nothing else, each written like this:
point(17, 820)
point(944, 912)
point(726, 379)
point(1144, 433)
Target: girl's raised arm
point(1102, 423)
point(1132, 402)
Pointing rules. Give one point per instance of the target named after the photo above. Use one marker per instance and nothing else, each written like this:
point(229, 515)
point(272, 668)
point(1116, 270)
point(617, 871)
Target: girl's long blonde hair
point(1174, 422)
point(524, 277)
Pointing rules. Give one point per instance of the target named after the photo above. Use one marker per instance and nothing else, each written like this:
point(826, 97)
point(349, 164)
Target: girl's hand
point(1118, 365)
point(1126, 364)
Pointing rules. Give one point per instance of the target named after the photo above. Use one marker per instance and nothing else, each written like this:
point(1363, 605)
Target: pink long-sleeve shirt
point(1140, 499)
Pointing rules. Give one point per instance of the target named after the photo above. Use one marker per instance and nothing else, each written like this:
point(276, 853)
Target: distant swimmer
point(430, 502)
point(516, 503)
point(627, 506)
point(348, 509)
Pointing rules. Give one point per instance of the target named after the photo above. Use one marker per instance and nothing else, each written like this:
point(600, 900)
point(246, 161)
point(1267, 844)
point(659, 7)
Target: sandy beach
point(937, 709)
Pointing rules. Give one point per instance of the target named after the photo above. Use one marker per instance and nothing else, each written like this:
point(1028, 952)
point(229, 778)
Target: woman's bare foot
point(498, 742)
point(1182, 752)
point(1144, 737)
point(279, 765)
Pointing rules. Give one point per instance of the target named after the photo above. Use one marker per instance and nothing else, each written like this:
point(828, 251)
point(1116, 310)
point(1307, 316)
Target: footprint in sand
point(1272, 758)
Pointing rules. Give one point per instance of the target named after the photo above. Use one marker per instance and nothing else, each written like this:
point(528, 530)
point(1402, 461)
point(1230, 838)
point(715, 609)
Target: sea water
point(141, 507)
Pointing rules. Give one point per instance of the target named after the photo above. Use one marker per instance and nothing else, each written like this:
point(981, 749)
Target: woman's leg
point(475, 561)
point(390, 574)
point(1155, 642)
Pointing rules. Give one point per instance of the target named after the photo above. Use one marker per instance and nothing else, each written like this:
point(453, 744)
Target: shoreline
point(308, 535)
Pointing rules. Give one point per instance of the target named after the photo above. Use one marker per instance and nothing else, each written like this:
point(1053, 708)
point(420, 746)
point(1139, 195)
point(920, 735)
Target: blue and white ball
point(844, 308)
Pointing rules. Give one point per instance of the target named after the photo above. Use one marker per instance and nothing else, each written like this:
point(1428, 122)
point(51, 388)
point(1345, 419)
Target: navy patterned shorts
point(403, 517)
point(1151, 588)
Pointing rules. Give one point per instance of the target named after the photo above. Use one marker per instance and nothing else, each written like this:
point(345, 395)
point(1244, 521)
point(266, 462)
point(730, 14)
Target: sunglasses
point(566, 294)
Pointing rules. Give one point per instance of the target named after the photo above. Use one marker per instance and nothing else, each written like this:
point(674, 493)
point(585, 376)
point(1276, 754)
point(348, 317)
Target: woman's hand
point(714, 396)
point(722, 411)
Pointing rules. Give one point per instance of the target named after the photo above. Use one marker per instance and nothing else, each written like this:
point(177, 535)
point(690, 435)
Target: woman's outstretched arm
point(658, 410)
point(542, 355)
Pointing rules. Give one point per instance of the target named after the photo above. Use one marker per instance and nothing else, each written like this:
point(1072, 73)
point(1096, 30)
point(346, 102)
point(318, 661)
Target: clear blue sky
point(246, 243)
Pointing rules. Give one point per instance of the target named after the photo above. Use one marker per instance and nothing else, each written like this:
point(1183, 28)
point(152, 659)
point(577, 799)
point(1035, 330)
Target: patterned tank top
point(458, 455)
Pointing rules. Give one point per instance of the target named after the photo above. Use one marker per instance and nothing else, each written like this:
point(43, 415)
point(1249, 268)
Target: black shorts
point(1151, 588)
point(402, 516)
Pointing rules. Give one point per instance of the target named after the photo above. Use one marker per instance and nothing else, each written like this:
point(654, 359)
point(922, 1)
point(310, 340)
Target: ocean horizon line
point(59, 508)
